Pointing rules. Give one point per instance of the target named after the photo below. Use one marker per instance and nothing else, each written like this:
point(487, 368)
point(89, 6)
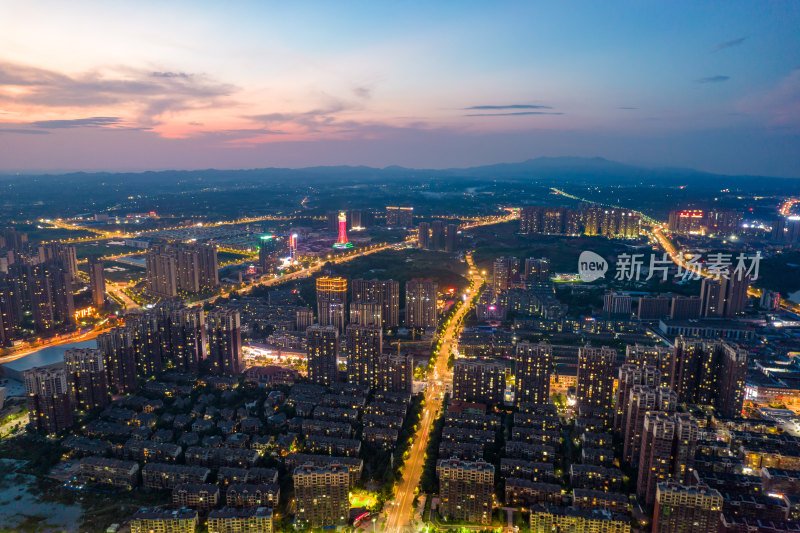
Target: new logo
point(591, 266)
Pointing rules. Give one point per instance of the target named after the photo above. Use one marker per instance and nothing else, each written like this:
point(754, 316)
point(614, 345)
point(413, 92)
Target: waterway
point(43, 357)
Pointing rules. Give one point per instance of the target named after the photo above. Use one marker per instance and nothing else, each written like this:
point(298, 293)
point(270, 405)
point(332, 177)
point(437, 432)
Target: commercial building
point(466, 490)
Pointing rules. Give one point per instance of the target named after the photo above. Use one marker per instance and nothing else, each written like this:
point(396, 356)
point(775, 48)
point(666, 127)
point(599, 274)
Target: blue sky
point(710, 85)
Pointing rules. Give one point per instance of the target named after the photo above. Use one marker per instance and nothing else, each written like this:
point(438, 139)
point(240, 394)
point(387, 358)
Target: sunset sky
point(159, 85)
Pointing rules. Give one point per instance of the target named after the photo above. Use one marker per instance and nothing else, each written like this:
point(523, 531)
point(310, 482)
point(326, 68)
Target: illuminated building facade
point(341, 241)
point(686, 509)
point(421, 303)
point(119, 358)
point(466, 490)
point(322, 495)
point(47, 396)
point(596, 381)
point(332, 302)
point(532, 367)
point(323, 346)
point(225, 342)
point(400, 216)
point(479, 380)
point(86, 378)
point(364, 346)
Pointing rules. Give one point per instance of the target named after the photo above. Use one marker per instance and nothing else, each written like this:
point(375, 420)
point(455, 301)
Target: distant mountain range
point(594, 170)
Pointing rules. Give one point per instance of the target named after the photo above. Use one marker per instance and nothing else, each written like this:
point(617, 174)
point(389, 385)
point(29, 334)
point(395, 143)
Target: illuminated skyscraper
point(466, 490)
point(532, 367)
point(119, 358)
point(332, 302)
point(596, 381)
point(364, 346)
point(400, 216)
point(479, 380)
point(424, 235)
point(323, 347)
point(97, 284)
point(669, 442)
point(421, 303)
point(86, 378)
point(225, 342)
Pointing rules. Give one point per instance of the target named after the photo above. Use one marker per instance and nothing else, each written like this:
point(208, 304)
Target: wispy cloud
point(150, 94)
point(713, 79)
point(729, 44)
point(512, 114)
point(501, 107)
point(23, 132)
point(365, 93)
point(77, 123)
point(627, 107)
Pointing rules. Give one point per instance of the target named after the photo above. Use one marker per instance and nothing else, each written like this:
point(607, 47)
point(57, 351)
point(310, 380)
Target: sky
point(144, 85)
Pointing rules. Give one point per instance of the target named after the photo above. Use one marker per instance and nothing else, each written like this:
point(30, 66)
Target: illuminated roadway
point(399, 511)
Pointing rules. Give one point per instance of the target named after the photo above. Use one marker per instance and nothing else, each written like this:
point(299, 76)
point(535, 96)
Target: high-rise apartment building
point(617, 304)
point(437, 235)
point(686, 509)
point(724, 297)
point(451, 238)
point(323, 346)
point(364, 346)
point(504, 270)
point(643, 399)
point(225, 342)
point(532, 367)
point(466, 490)
point(322, 495)
point(119, 358)
point(685, 307)
point(402, 217)
point(596, 381)
point(421, 303)
point(177, 267)
point(47, 396)
point(62, 255)
point(424, 235)
point(669, 442)
point(710, 373)
point(537, 269)
point(653, 307)
point(687, 221)
point(395, 372)
point(86, 378)
point(479, 380)
point(630, 375)
point(182, 335)
point(97, 284)
point(384, 293)
point(332, 302)
point(304, 318)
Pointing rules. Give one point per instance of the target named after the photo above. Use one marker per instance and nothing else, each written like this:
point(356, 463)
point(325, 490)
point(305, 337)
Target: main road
point(400, 509)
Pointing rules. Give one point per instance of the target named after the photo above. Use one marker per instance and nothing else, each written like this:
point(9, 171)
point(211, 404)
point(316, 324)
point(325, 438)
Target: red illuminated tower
point(341, 241)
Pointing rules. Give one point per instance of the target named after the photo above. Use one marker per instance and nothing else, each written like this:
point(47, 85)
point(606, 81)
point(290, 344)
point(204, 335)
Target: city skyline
point(426, 86)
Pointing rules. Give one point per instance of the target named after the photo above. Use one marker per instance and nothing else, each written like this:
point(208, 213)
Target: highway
point(399, 513)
